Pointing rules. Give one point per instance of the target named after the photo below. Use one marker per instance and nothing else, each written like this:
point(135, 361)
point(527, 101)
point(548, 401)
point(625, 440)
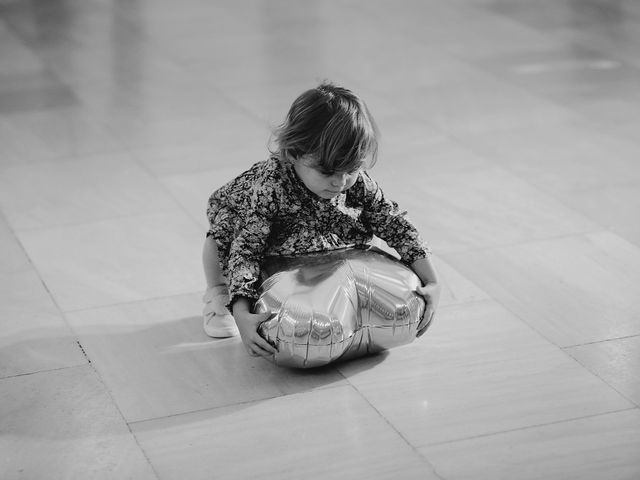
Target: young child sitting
point(312, 195)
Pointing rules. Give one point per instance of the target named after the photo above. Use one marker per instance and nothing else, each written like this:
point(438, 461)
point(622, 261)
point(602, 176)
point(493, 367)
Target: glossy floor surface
point(511, 134)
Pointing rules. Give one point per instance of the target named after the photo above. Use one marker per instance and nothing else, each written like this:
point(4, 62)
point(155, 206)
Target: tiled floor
point(511, 133)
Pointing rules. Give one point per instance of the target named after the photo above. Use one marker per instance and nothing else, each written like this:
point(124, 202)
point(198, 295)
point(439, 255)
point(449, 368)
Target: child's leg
point(217, 320)
point(211, 264)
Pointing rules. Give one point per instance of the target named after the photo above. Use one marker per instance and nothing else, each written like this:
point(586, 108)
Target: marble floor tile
point(157, 361)
point(456, 288)
point(98, 71)
point(95, 188)
point(458, 29)
point(188, 31)
point(564, 72)
point(382, 62)
point(33, 334)
point(478, 370)
point(482, 208)
point(399, 157)
point(29, 21)
point(627, 130)
point(15, 56)
point(607, 36)
point(163, 15)
point(241, 141)
point(557, 158)
point(120, 260)
point(573, 290)
point(190, 113)
point(12, 256)
point(614, 110)
point(605, 102)
point(49, 135)
point(486, 104)
point(600, 25)
point(192, 190)
point(617, 362)
point(270, 101)
point(615, 207)
point(331, 433)
point(550, 15)
point(30, 96)
point(402, 131)
point(597, 85)
point(282, 59)
point(63, 424)
point(157, 130)
point(36, 80)
point(592, 448)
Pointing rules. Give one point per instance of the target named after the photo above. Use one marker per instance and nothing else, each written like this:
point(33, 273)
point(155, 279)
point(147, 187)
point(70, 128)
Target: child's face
point(323, 185)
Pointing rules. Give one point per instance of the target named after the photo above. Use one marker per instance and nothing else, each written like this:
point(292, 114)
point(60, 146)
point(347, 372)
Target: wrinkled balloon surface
point(338, 305)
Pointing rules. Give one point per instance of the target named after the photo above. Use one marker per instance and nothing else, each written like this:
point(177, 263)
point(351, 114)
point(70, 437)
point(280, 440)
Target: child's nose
point(339, 179)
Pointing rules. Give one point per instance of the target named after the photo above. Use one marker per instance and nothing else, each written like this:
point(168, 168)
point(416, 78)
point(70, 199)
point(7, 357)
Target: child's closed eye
point(334, 173)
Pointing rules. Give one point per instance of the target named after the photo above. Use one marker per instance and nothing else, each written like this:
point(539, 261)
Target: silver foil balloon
point(338, 305)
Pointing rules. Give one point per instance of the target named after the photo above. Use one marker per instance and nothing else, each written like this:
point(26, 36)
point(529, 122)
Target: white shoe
point(217, 321)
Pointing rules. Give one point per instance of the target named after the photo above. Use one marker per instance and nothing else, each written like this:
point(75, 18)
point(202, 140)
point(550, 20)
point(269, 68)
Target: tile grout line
point(530, 427)
point(163, 187)
point(584, 233)
point(603, 380)
point(124, 420)
point(523, 321)
point(228, 405)
point(46, 370)
point(562, 349)
point(183, 64)
point(624, 337)
point(134, 302)
point(404, 439)
point(177, 208)
point(562, 200)
point(53, 301)
point(106, 391)
point(64, 158)
point(582, 43)
point(92, 366)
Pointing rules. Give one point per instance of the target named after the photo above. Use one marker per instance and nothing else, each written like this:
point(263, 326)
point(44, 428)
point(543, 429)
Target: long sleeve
point(247, 250)
point(390, 223)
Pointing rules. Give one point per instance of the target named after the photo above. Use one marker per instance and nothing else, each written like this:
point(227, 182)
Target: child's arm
point(430, 289)
point(391, 224)
point(425, 270)
point(248, 323)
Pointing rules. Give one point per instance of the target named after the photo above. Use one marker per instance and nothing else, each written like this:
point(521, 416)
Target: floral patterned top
point(268, 211)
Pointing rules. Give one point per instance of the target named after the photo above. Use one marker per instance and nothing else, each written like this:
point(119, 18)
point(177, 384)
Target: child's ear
point(295, 156)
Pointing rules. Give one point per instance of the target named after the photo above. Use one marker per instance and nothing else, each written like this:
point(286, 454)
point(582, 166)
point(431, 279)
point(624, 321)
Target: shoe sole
point(222, 333)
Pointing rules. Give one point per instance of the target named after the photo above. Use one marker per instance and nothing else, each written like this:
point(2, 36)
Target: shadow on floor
point(167, 369)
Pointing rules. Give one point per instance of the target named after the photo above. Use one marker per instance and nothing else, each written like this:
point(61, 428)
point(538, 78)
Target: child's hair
point(331, 124)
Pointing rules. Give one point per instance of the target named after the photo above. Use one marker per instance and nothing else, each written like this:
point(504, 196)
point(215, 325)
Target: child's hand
point(248, 323)
point(431, 294)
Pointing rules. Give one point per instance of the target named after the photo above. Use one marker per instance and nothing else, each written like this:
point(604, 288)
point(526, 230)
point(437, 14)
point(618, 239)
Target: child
point(312, 195)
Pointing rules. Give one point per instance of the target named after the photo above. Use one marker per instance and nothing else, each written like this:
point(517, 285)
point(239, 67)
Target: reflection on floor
point(510, 133)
